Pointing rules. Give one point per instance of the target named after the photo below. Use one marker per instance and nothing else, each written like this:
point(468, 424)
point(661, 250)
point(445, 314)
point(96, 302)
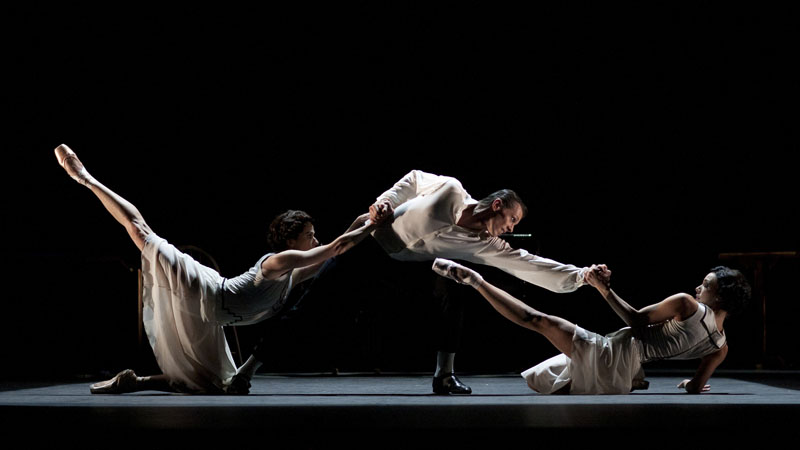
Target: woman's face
point(707, 291)
point(306, 240)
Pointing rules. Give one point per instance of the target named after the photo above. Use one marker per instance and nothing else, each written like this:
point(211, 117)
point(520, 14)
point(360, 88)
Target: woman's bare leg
point(122, 210)
point(557, 330)
point(130, 218)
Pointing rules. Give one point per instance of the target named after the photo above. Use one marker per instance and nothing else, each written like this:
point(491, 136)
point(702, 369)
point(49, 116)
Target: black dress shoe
point(449, 384)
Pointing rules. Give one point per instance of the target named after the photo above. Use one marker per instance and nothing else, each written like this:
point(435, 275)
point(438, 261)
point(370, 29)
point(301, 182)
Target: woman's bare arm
point(708, 365)
point(284, 261)
point(678, 306)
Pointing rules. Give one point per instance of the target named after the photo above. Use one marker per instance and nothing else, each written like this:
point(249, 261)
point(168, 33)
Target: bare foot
point(70, 162)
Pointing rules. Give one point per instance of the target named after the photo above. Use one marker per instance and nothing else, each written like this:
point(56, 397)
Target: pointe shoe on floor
point(240, 385)
point(123, 382)
point(70, 162)
point(457, 272)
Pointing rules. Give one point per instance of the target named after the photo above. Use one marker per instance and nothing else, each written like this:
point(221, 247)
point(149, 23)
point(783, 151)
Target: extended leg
point(122, 210)
point(557, 330)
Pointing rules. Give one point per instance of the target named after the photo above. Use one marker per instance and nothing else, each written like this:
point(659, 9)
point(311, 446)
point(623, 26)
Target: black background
point(650, 138)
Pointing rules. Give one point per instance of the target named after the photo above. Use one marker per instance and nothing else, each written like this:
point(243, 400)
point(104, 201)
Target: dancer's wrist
point(477, 281)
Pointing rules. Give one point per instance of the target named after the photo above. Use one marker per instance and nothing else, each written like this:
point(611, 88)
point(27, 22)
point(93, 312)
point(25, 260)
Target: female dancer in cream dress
point(679, 327)
point(186, 304)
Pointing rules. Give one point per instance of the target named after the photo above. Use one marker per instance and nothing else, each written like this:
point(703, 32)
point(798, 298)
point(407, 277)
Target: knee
point(552, 322)
point(141, 226)
point(539, 322)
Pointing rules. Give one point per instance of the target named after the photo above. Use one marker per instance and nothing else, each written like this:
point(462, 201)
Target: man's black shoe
point(449, 384)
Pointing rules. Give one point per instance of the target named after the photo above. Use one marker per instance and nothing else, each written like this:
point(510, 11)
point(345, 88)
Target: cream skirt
point(599, 365)
point(178, 294)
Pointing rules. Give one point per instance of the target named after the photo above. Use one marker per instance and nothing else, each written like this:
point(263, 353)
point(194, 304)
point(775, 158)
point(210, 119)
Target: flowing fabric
point(179, 297)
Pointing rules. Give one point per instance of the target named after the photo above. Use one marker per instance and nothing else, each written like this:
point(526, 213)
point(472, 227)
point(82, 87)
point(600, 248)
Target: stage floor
point(308, 411)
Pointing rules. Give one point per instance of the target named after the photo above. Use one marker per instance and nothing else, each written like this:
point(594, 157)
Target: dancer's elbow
point(276, 265)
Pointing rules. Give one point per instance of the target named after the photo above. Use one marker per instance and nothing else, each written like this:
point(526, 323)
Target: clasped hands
point(599, 276)
point(381, 212)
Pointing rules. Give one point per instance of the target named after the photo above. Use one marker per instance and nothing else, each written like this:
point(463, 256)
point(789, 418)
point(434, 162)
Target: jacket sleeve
point(412, 185)
point(543, 272)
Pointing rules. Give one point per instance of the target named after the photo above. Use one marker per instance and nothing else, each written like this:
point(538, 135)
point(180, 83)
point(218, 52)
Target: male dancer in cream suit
point(426, 216)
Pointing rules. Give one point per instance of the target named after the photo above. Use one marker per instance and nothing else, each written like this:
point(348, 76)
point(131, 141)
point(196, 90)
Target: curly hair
point(733, 289)
point(285, 226)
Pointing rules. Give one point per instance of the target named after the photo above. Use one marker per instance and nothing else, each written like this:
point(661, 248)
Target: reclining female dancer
point(186, 304)
point(679, 327)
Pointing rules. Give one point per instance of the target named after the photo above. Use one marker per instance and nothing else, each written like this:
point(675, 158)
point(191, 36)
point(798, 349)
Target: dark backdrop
point(648, 138)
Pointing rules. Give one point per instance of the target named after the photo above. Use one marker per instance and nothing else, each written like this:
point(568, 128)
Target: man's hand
point(380, 212)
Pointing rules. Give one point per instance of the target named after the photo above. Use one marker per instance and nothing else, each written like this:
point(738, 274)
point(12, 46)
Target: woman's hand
point(690, 388)
point(599, 277)
point(381, 212)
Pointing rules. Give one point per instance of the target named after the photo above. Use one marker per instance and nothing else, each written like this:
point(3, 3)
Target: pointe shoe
point(457, 272)
point(123, 382)
point(240, 385)
point(70, 162)
point(450, 384)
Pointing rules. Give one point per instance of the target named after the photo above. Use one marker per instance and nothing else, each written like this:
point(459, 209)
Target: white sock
point(444, 363)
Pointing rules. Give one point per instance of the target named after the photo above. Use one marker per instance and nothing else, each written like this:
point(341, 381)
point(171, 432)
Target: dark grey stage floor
point(398, 411)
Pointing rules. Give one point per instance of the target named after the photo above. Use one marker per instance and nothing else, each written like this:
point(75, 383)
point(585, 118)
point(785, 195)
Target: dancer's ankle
point(444, 363)
point(457, 272)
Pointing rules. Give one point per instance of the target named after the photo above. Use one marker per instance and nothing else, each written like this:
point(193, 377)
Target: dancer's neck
point(472, 221)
